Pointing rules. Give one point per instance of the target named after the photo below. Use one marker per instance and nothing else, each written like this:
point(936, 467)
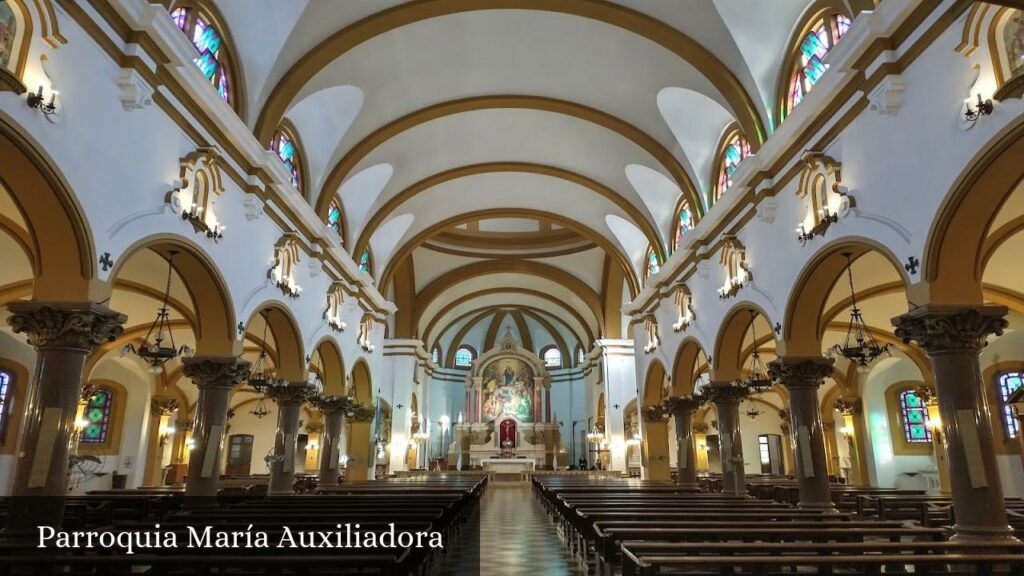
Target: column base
point(963, 533)
point(688, 486)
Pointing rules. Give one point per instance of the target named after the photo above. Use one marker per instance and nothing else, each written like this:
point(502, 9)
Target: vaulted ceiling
point(515, 153)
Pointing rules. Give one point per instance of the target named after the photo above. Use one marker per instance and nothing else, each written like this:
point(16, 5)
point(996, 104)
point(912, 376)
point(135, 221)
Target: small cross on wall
point(106, 261)
point(912, 265)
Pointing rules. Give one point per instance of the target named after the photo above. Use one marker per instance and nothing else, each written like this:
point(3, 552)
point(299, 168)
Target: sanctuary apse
point(654, 277)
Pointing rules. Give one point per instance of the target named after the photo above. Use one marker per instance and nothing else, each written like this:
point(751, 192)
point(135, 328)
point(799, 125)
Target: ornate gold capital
point(163, 406)
point(314, 427)
point(655, 413)
point(940, 329)
point(805, 372)
point(332, 404)
point(849, 406)
point(76, 325)
point(700, 428)
point(725, 393)
point(678, 404)
point(216, 372)
point(360, 413)
point(290, 393)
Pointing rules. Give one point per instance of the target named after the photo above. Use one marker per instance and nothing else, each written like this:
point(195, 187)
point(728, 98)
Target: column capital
point(655, 413)
point(75, 325)
point(801, 372)
point(332, 404)
point(938, 328)
point(849, 406)
point(360, 413)
point(315, 427)
point(700, 428)
point(216, 371)
point(684, 403)
point(163, 406)
point(725, 392)
point(290, 393)
point(784, 415)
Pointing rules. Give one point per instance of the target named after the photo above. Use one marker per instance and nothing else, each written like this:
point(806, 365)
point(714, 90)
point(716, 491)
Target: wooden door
point(239, 455)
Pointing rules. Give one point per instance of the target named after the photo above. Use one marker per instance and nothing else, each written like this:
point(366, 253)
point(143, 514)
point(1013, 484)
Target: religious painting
point(508, 389)
point(1013, 41)
point(8, 33)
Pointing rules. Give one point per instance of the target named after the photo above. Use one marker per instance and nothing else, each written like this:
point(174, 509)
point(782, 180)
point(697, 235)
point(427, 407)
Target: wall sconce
point(190, 444)
point(731, 288)
point(36, 101)
point(216, 232)
point(193, 215)
point(825, 219)
point(288, 286)
point(984, 108)
point(311, 446)
point(846, 431)
point(336, 324)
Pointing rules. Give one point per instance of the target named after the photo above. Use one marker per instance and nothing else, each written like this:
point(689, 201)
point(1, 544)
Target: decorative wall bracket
point(887, 97)
point(734, 262)
point(135, 92)
point(286, 260)
point(651, 329)
point(332, 314)
point(825, 199)
point(195, 192)
point(684, 308)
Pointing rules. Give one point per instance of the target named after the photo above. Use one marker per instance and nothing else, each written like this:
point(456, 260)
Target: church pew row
point(643, 557)
point(605, 525)
point(437, 505)
point(935, 510)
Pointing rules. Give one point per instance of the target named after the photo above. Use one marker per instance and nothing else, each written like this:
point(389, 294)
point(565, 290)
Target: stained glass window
point(364, 261)
point(284, 146)
point(97, 417)
point(552, 357)
point(435, 355)
point(651, 264)
point(914, 415)
point(1008, 383)
point(736, 149)
point(208, 41)
point(334, 218)
point(581, 356)
point(464, 357)
point(5, 398)
point(809, 68)
point(684, 224)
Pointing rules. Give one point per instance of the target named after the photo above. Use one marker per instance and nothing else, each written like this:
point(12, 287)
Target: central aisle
point(515, 538)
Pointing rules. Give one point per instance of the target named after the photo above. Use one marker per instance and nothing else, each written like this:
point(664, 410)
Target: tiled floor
point(515, 537)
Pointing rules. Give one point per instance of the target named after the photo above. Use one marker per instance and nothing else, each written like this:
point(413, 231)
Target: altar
point(507, 468)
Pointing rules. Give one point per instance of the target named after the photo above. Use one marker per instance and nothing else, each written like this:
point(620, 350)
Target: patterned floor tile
point(515, 537)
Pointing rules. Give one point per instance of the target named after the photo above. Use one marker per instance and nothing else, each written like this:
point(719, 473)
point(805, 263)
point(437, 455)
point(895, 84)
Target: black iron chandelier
point(262, 375)
point(752, 410)
point(153, 351)
point(860, 346)
point(758, 381)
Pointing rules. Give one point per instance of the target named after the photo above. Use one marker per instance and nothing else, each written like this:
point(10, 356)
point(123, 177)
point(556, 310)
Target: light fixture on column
point(982, 108)
point(758, 381)
point(860, 346)
point(152, 350)
point(37, 101)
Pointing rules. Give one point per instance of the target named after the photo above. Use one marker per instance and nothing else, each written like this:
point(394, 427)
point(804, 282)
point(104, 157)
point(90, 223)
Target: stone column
point(181, 429)
point(214, 376)
point(63, 334)
point(785, 425)
point(289, 397)
point(547, 402)
point(681, 408)
point(831, 447)
point(854, 432)
point(360, 449)
point(468, 404)
point(726, 397)
point(802, 376)
point(953, 338)
point(478, 400)
point(159, 408)
point(931, 402)
point(333, 409)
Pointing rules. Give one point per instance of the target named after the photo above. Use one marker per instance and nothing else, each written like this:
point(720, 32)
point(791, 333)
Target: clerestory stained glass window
point(684, 223)
point(209, 43)
point(914, 415)
point(284, 146)
point(809, 66)
point(736, 149)
point(97, 417)
point(651, 264)
point(1008, 383)
point(334, 218)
